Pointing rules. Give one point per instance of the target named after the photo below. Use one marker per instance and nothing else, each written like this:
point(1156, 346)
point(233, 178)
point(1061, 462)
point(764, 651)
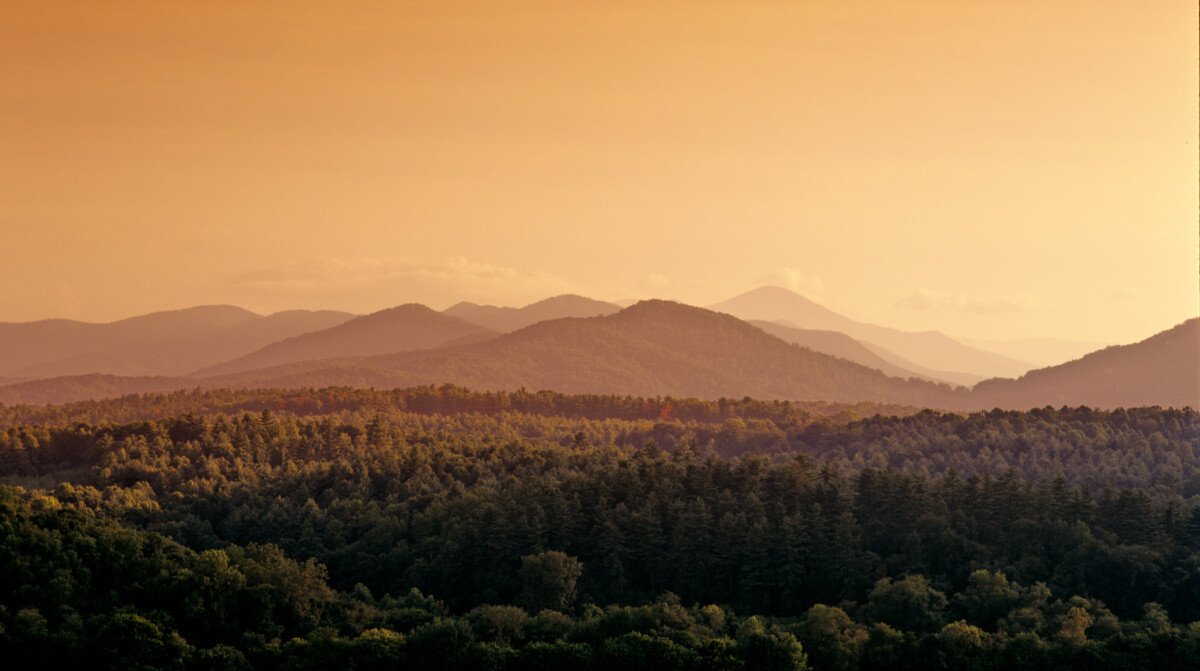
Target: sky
point(991, 169)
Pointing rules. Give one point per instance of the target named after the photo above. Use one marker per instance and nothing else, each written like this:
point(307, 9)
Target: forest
point(437, 527)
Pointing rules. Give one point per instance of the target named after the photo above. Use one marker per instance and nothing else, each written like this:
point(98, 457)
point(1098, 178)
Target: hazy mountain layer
point(73, 388)
point(652, 348)
point(1041, 351)
point(506, 320)
point(837, 344)
point(161, 343)
point(1161, 370)
point(962, 379)
point(398, 329)
point(661, 348)
point(931, 349)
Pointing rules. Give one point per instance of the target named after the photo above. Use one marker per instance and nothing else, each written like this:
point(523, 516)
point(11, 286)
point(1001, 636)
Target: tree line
point(755, 537)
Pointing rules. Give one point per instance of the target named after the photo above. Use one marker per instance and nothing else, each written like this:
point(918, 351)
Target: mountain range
point(506, 320)
point(161, 343)
point(577, 345)
point(1162, 370)
point(398, 329)
point(871, 356)
point(929, 349)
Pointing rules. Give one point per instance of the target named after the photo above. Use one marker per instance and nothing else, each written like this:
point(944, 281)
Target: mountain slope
point(843, 346)
point(69, 389)
point(658, 348)
point(506, 320)
point(930, 349)
point(160, 343)
point(651, 348)
point(1042, 352)
point(963, 379)
point(398, 329)
point(1161, 370)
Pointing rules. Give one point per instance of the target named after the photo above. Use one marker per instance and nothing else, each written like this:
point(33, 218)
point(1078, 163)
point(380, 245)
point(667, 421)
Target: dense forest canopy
point(287, 529)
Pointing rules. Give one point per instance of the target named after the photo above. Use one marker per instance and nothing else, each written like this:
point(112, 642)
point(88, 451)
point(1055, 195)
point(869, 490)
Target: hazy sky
point(992, 168)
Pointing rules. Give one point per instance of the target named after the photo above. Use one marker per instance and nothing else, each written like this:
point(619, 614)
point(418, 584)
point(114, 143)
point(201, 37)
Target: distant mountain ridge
point(930, 349)
point(405, 327)
point(839, 344)
point(1162, 370)
point(506, 320)
point(160, 343)
point(1043, 352)
point(68, 389)
point(651, 348)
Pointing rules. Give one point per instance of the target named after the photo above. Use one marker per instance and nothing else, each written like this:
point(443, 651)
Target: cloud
point(940, 301)
point(792, 278)
point(363, 284)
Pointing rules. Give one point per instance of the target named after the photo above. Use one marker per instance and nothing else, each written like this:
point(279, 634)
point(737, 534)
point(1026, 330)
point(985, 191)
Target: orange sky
point(991, 169)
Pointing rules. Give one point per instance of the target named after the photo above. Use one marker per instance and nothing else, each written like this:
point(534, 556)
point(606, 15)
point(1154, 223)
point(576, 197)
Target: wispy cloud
point(940, 301)
point(792, 278)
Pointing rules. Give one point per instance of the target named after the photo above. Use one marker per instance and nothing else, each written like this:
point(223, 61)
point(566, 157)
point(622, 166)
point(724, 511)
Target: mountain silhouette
point(839, 344)
point(405, 327)
point(1163, 369)
point(506, 320)
point(161, 343)
point(930, 349)
point(651, 348)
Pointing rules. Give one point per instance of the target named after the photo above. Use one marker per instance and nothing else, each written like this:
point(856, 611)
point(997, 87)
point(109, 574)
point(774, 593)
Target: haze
point(995, 169)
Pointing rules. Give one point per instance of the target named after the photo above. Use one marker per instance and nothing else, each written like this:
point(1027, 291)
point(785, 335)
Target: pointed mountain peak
point(769, 297)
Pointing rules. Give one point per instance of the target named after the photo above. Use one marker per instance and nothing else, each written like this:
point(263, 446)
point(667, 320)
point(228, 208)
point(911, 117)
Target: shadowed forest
point(434, 526)
point(498, 335)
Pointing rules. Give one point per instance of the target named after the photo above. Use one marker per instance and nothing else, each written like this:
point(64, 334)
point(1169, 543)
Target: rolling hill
point(931, 349)
point(506, 320)
point(398, 329)
point(1161, 370)
point(68, 389)
point(843, 346)
point(651, 348)
point(661, 348)
point(160, 343)
point(1042, 352)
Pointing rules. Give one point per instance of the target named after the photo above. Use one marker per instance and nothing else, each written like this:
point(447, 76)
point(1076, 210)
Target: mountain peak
point(507, 320)
point(930, 349)
point(772, 303)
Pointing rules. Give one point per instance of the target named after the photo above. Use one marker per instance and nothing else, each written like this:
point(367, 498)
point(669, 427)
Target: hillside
point(962, 379)
point(1042, 352)
point(659, 348)
point(398, 329)
point(843, 346)
point(68, 389)
point(506, 320)
point(651, 348)
point(160, 343)
point(930, 349)
point(1161, 370)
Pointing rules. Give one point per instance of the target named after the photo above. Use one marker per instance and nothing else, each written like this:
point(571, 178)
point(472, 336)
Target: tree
point(830, 638)
point(909, 604)
point(549, 580)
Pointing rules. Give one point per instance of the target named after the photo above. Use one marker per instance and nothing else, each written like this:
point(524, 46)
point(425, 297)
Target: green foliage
point(548, 580)
point(374, 536)
point(908, 604)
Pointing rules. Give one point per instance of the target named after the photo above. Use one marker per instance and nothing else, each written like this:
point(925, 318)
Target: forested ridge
point(426, 526)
